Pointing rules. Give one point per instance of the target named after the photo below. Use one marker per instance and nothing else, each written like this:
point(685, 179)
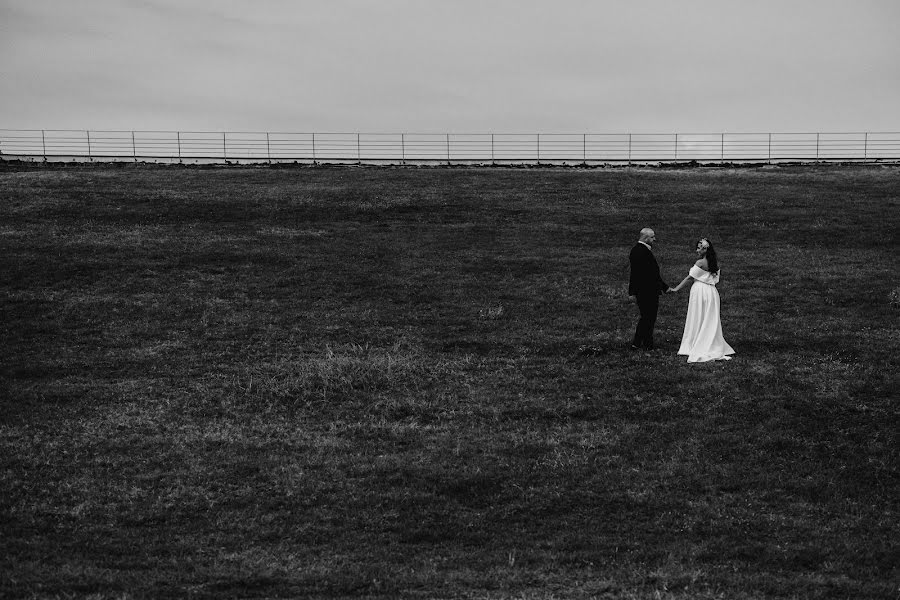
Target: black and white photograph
point(480, 300)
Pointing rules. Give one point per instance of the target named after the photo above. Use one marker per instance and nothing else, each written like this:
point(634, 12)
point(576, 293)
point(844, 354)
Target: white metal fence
point(478, 148)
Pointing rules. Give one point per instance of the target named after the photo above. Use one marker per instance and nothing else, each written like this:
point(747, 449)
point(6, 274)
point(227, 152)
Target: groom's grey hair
point(646, 231)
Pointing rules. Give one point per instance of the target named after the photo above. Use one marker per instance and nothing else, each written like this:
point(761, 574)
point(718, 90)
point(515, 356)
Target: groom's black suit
point(646, 285)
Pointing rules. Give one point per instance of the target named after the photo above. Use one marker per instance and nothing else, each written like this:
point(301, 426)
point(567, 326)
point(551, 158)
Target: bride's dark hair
point(712, 261)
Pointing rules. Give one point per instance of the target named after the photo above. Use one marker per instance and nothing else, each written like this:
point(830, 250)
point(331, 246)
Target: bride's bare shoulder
point(703, 264)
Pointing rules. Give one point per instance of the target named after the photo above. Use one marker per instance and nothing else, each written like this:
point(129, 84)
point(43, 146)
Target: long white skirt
point(702, 340)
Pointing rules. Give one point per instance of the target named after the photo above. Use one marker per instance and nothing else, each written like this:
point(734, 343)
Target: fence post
point(44, 144)
point(448, 148)
point(178, 133)
point(676, 146)
point(584, 148)
point(268, 148)
point(403, 148)
point(492, 148)
point(538, 148)
point(358, 153)
point(629, 149)
point(817, 146)
point(224, 148)
point(770, 149)
point(314, 148)
point(722, 151)
point(88, 134)
point(133, 147)
point(866, 148)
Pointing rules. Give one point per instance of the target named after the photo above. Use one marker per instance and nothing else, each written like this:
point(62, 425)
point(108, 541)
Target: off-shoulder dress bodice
point(704, 276)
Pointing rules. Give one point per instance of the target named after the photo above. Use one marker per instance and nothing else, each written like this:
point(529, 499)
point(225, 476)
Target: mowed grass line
point(366, 382)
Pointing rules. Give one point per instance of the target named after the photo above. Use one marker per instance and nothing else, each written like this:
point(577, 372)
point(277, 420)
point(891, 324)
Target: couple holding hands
point(702, 339)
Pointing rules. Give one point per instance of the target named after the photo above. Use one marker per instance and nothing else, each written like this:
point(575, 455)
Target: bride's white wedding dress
point(702, 340)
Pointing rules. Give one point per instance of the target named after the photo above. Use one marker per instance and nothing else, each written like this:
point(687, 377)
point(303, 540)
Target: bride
point(702, 340)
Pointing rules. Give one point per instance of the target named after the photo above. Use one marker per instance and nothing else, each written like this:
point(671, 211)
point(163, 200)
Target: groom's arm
point(662, 285)
point(634, 272)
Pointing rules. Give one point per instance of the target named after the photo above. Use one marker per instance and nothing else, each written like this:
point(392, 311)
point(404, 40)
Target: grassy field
point(368, 382)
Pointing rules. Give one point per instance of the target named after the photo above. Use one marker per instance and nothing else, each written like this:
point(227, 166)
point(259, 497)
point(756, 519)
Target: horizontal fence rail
point(400, 148)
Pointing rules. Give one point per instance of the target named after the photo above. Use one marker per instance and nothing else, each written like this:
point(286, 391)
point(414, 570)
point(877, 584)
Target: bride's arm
point(700, 263)
point(683, 283)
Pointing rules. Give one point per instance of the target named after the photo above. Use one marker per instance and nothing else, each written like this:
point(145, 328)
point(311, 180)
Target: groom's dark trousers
point(645, 284)
point(648, 304)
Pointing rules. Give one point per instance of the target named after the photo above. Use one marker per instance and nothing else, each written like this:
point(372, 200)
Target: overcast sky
point(456, 66)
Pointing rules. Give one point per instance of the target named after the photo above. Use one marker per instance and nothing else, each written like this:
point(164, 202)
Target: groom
point(645, 286)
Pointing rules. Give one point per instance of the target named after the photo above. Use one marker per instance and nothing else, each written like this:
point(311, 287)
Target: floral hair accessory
point(703, 243)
